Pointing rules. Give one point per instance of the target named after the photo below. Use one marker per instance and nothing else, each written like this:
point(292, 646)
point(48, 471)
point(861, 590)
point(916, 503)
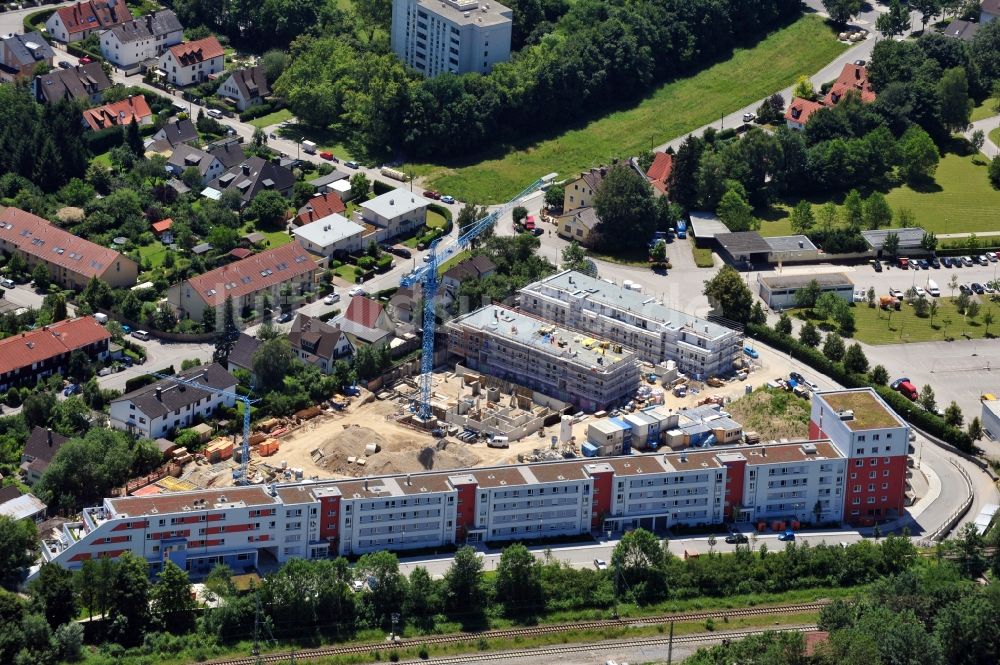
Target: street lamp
point(298, 148)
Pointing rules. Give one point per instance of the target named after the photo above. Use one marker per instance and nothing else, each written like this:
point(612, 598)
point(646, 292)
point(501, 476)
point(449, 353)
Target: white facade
point(139, 40)
point(126, 415)
point(808, 487)
point(457, 36)
point(395, 212)
point(195, 69)
point(331, 235)
point(653, 331)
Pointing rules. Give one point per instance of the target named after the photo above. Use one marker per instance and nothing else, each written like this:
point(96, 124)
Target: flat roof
point(797, 243)
point(692, 460)
point(870, 412)
point(706, 225)
point(545, 337)
point(743, 242)
point(498, 477)
point(785, 453)
point(395, 203)
point(824, 279)
point(636, 465)
point(328, 230)
point(468, 12)
point(553, 473)
point(175, 502)
point(908, 237)
point(646, 306)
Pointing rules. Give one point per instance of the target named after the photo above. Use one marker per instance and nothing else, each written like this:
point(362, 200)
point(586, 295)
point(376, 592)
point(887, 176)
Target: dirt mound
point(454, 456)
point(394, 456)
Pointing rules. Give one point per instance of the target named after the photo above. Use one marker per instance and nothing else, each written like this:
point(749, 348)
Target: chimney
point(48, 436)
point(857, 73)
point(159, 393)
point(366, 484)
point(246, 169)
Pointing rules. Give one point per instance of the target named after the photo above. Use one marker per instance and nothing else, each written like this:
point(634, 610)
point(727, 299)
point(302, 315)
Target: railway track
point(508, 633)
point(607, 645)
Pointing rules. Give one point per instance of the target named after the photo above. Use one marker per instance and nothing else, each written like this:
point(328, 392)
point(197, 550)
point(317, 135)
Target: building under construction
point(589, 373)
point(499, 409)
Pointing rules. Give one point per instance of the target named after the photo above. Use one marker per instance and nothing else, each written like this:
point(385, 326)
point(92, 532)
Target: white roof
point(396, 203)
point(340, 186)
point(328, 230)
point(211, 193)
point(26, 505)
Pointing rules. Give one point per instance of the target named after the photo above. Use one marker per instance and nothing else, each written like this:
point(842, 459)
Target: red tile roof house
point(798, 112)
point(71, 260)
point(192, 62)
point(366, 322)
point(247, 281)
point(120, 114)
point(318, 207)
point(39, 353)
point(658, 173)
point(852, 77)
point(77, 22)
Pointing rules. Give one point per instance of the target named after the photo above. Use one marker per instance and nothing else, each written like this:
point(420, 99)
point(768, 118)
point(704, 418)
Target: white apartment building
point(192, 62)
point(165, 406)
point(592, 374)
point(133, 42)
point(655, 332)
point(457, 36)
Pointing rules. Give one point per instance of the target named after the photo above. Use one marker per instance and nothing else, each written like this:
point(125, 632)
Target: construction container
point(221, 449)
point(590, 450)
point(257, 438)
point(372, 448)
point(179, 452)
point(267, 447)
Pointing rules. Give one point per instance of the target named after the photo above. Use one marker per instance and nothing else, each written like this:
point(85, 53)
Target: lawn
point(673, 109)
point(346, 272)
point(271, 118)
point(960, 200)
point(435, 220)
point(104, 159)
point(772, 414)
point(154, 252)
point(702, 256)
point(995, 136)
point(876, 326)
point(984, 110)
point(453, 261)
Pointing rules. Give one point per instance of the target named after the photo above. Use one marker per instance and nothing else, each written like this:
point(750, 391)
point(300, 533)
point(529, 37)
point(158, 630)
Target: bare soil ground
point(774, 414)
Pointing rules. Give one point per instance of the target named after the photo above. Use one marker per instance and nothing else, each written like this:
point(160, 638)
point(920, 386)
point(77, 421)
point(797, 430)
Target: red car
point(326, 155)
point(431, 194)
point(85, 60)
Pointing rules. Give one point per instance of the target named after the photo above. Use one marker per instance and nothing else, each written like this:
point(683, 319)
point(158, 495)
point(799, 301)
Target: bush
point(380, 187)
point(366, 263)
point(104, 139)
point(260, 110)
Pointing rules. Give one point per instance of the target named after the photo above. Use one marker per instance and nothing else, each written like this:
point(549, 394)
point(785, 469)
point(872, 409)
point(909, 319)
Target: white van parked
point(140, 334)
point(932, 288)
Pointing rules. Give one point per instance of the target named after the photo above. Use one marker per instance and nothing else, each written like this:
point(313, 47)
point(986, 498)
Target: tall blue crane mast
point(240, 475)
point(427, 277)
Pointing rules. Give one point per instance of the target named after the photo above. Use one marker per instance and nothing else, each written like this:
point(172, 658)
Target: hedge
point(380, 187)
point(34, 22)
point(104, 139)
point(913, 413)
point(260, 110)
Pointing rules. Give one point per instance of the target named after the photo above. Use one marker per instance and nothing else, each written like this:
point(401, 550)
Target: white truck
point(395, 174)
point(309, 147)
point(932, 288)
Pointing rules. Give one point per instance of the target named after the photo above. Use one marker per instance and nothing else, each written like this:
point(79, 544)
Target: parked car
point(85, 60)
point(284, 317)
point(214, 113)
point(140, 334)
point(751, 352)
point(401, 251)
point(924, 264)
point(988, 287)
point(920, 291)
point(877, 265)
point(65, 65)
point(332, 298)
point(903, 262)
point(749, 117)
point(787, 535)
point(432, 194)
point(964, 288)
point(946, 261)
point(895, 293)
point(357, 291)
point(977, 288)
point(601, 564)
point(935, 263)
point(736, 539)
point(326, 155)
point(982, 260)
point(351, 164)
point(7, 283)
point(106, 371)
point(70, 389)
point(796, 377)
point(992, 256)
point(447, 198)
point(967, 261)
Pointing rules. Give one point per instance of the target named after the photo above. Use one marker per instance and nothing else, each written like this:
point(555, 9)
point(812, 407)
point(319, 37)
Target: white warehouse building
point(457, 36)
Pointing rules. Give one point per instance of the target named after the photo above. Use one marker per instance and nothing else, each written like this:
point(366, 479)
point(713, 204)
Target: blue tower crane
point(240, 476)
point(427, 277)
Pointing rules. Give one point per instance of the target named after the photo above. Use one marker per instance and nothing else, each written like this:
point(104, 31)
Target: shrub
point(380, 187)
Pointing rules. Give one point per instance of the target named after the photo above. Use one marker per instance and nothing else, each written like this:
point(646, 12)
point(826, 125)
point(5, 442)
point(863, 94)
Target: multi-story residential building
point(145, 38)
point(319, 343)
point(248, 178)
point(580, 193)
point(192, 62)
point(246, 87)
point(38, 354)
point(591, 373)
point(41, 446)
point(395, 212)
point(83, 83)
point(166, 406)
point(77, 22)
point(652, 330)
point(237, 525)
point(331, 236)
point(71, 260)
point(122, 113)
point(875, 441)
point(457, 36)
point(21, 54)
point(184, 157)
point(271, 273)
point(366, 323)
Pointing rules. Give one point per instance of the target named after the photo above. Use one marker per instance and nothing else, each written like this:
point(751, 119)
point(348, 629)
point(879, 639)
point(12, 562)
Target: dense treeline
point(929, 615)
point(598, 54)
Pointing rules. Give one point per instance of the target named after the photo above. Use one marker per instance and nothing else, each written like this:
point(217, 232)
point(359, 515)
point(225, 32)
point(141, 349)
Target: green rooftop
point(869, 411)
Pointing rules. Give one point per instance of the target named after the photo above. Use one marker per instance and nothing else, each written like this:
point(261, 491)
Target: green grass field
point(673, 109)
point(271, 118)
point(154, 252)
point(995, 136)
point(984, 110)
point(435, 220)
point(877, 326)
point(961, 200)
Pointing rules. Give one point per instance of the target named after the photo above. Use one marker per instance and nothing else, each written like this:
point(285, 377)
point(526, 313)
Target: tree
point(890, 246)
point(855, 360)
point(171, 599)
point(226, 338)
point(519, 581)
point(804, 88)
point(808, 335)
point(624, 204)
point(40, 276)
point(574, 257)
point(870, 296)
point(272, 361)
point(802, 217)
point(879, 375)
point(953, 91)
point(808, 295)
point(920, 155)
point(360, 186)
point(833, 347)
point(987, 321)
point(134, 140)
point(268, 208)
point(422, 598)
point(928, 9)
point(68, 642)
point(259, 138)
point(658, 254)
point(729, 293)
point(854, 210)
point(388, 586)
point(783, 325)
point(877, 213)
point(928, 241)
point(953, 415)
point(972, 309)
point(994, 172)
point(274, 62)
point(735, 212)
point(128, 599)
point(519, 214)
point(894, 22)
point(827, 216)
point(921, 306)
point(463, 586)
point(757, 315)
point(978, 140)
point(55, 305)
point(842, 11)
point(638, 562)
point(18, 545)
point(975, 430)
point(53, 595)
point(927, 399)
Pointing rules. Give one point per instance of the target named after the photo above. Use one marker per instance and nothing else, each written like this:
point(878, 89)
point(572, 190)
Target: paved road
point(987, 125)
